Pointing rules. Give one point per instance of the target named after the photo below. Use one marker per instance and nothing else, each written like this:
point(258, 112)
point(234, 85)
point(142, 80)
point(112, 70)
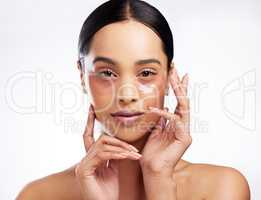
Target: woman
point(126, 68)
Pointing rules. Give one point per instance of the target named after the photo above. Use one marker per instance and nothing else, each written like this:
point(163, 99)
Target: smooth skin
point(142, 165)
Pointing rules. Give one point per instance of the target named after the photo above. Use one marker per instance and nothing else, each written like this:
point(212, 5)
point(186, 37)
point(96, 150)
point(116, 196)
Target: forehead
point(127, 41)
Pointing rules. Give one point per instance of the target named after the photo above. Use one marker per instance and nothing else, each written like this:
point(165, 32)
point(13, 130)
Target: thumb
point(88, 132)
point(114, 165)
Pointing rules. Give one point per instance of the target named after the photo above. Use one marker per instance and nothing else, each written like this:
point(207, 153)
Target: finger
point(159, 127)
point(114, 165)
point(106, 156)
point(163, 121)
point(131, 155)
point(114, 141)
point(164, 113)
point(180, 83)
point(115, 155)
point(174, 70)
point(88, 132)
point(185, 83)
point(176, 83)
point(177, 89)
point(116, 149)
point(184, 111)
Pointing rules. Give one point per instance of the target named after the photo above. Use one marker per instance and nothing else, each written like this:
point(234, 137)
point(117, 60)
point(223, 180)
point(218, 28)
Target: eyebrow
point(112, 62)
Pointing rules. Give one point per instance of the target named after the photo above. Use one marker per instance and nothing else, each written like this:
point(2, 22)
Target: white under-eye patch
point(146, 89)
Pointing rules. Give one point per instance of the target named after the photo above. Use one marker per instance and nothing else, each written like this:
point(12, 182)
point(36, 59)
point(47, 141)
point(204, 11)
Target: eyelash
point(150, 71)
point(146, 70)
point(104, 71)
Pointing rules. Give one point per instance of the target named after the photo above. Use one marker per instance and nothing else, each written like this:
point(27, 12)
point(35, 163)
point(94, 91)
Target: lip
point(126, 113)
point(127, 120)
point(127, 117)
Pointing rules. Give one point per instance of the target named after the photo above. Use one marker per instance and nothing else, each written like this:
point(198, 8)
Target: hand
point(168, 141)
point(97, 173)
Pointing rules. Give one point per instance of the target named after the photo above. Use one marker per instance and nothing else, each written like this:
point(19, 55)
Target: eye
point(105, 73)
point(147, 72)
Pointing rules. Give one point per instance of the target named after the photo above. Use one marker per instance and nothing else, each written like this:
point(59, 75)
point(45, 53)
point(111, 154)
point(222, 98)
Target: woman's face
point(126, 69)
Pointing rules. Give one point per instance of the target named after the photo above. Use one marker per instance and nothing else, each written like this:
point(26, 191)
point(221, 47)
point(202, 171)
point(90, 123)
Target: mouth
point(127, 117)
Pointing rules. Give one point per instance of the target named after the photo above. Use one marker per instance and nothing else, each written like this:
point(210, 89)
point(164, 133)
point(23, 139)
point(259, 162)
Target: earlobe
point(79, 65)
point(172, 65)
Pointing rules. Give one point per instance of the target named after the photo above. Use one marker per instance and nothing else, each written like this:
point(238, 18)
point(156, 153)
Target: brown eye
point(146, 73)
point(105, 73)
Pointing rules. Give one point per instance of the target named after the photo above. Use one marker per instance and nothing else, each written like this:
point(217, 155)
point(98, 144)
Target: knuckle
point(106, 155)
point(179, 124)
point(185, 104)
point(188, 140)
point(106, 147)
point(102, 139)
point(99, 154)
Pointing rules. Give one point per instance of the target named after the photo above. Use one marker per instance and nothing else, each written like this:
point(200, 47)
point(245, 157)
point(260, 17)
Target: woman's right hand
point(97, 172)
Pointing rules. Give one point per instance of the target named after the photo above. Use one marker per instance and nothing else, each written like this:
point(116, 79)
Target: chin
point(130, 137)
point(128, 133)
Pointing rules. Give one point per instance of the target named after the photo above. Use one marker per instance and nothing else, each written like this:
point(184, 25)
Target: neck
point(130, 174)
point(139, 144)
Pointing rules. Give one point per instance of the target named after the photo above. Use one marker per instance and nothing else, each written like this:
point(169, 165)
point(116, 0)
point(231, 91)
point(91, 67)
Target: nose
point(127, 94)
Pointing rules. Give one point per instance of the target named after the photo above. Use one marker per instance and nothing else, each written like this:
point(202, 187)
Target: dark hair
point(120, 10)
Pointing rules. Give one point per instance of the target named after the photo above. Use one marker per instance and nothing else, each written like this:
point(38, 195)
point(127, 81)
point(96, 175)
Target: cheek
point(152, 94)
point(98, 84)
point(101, 94)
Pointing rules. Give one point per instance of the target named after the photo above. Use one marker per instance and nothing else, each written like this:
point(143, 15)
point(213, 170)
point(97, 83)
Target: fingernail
point(134, 148)
point(136, 154)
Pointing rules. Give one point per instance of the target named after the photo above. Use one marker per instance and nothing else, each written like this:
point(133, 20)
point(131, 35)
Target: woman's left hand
point(168, 141)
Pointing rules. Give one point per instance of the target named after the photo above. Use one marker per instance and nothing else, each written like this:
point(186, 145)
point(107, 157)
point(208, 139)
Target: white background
point(216, 42)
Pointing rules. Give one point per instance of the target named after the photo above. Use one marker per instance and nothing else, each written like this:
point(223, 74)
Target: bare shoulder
point(220, 182)
point(60, 186)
